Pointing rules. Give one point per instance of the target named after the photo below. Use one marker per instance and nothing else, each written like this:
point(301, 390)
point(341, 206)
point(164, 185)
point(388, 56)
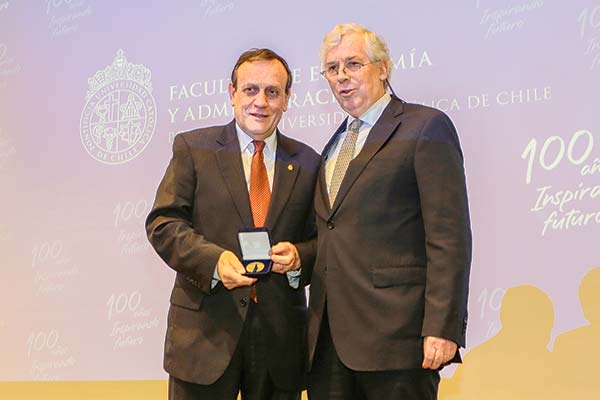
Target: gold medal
point(255, 266)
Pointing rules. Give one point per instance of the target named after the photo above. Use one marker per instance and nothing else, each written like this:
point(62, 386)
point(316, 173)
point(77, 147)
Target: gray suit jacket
point(200, 205)
point(394, 250)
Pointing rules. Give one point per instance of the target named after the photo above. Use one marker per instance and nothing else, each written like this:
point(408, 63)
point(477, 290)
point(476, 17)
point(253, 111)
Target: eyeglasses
point(350, 65)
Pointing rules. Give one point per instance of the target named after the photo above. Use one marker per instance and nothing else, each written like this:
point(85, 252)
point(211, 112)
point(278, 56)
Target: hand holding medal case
point(255, 244)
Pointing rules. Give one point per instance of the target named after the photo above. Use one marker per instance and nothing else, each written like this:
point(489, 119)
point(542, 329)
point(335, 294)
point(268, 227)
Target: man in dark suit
point(227, 331)
point(388, 303)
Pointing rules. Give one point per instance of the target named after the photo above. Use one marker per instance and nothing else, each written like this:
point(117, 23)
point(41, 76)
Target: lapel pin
point(290, 167)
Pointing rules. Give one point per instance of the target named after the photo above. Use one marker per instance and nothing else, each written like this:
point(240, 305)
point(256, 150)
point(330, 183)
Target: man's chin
point(260, 131)
point(347, 104)
point(349, 108)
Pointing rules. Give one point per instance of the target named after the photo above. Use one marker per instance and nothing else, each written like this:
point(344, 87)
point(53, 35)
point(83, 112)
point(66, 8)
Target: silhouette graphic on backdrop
point(515, 363)
point(577, 352)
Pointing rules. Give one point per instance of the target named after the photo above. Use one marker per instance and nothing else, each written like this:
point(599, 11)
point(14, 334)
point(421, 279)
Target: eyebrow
point(345, 59)
point(257, 86)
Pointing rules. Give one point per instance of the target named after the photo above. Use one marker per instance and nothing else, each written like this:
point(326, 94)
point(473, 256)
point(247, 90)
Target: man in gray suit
point(388, 304)
point(227, 331)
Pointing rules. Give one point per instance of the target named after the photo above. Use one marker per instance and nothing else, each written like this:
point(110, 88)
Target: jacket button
point(330, 225)
point(243, 302)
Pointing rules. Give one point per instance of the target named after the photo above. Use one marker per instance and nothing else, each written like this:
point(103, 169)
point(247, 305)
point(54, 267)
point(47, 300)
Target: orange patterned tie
point(260, 193)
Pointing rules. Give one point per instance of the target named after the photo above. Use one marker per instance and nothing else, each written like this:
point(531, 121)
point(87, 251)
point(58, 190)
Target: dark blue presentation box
point(255, 244)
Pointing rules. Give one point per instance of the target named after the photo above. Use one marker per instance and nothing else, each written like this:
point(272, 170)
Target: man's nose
point(261, 99)
point(342, 75)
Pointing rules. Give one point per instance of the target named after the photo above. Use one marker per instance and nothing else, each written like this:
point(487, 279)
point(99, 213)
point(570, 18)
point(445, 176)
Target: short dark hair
point(257, 55)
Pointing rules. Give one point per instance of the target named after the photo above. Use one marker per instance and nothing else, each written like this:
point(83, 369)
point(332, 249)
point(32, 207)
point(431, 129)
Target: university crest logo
point(119, 117)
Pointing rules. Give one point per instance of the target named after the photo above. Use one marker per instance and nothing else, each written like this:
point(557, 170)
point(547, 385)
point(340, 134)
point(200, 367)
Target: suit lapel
point(285, 174)
point(229, 160)
point(379, 134)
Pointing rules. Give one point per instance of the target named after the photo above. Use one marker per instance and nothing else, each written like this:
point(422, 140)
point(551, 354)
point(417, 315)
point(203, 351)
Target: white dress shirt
point(247, 150)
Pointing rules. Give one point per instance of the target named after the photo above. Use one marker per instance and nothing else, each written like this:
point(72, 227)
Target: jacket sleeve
point(443, 197)
point(169, 225)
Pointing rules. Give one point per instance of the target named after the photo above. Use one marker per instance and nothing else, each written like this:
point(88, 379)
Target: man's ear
point(286, 101)
point(383, 71)
point(231, 91)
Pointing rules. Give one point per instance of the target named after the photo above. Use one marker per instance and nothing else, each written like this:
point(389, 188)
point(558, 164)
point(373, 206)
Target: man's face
point(260, 98)
point(355, 91)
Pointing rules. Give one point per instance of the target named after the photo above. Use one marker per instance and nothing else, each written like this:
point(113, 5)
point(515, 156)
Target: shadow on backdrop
point(514, 364)
point(577, 352)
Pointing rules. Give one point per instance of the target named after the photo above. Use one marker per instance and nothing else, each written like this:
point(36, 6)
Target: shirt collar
point(371, 116)
point(246, 141)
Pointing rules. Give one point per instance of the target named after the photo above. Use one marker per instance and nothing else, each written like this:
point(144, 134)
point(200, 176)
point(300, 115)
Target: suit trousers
point(247, 372)
point(330, 379)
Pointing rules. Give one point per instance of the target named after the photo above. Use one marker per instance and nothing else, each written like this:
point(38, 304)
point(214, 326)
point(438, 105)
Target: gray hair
point(376, 48)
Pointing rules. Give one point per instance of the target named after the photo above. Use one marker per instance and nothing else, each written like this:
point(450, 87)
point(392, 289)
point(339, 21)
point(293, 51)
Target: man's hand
point(285, 257)
point(231, 271)
point(438, 351)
